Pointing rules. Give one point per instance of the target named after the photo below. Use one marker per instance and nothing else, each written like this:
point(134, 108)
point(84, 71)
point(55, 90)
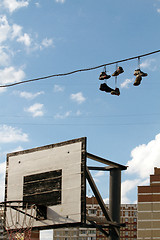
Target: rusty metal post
point(115, 199)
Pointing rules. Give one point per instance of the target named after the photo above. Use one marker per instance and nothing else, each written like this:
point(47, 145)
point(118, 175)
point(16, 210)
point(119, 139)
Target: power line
point(85, 124)
point(87, 116)
point(79, 70)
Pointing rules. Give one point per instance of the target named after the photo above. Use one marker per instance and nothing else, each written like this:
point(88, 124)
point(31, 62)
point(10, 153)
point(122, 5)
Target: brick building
point(128, 216)
point(149, 208)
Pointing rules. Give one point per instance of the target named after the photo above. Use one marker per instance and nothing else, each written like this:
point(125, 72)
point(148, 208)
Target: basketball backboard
point(52, 176)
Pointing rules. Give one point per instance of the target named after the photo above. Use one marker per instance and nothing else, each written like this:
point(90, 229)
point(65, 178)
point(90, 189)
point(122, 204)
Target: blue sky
point(39, 38)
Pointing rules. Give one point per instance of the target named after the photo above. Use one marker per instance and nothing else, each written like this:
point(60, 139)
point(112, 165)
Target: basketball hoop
point(17, 219)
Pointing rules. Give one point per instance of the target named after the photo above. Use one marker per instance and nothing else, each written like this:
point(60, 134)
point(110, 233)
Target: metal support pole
point(115, 199)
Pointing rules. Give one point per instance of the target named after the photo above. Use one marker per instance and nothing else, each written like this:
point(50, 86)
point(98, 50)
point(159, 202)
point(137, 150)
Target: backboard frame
point(112, 217)
point(78, 141)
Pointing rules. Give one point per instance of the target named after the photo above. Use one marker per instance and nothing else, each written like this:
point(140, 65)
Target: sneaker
point(137, 80)
point(115, 92)
point(118, 71)
point(105, 87)
point(139, 72)
point(103, 76)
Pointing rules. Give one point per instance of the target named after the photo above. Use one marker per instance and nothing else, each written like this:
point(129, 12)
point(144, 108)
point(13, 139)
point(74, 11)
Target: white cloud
point(62, 116)
point(25, 39)
point(60, 1)
point(11, 75)
point(3, 154)
point(78, 97)
point(17, 149)
point(58, 88)
point(47, 42)
point(16, 31)
point(10, 134)
point(126, 83)
point(99, 174)
point(149, 63)
point(37, 4)
point(28, 95)
point(158, 10)
point(106, 200)
point(13, 5)
point(126, 188)
point(144, 158)
point(96, 180)
point(10, 32)
point(2, 167)
point(78, 113)
point(2, 180)
point(4, 28)
point(2, 90)
point(36, 110)
point(4, 56)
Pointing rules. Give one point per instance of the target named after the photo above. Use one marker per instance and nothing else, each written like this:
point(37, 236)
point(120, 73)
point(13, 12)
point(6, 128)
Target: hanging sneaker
point(104, 87)
point(137, 80)
point(118, 71)
point(103, 76)
point(115, 92)
point(139, 72)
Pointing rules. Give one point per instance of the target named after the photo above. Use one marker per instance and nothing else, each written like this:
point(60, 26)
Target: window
point(135, 219)
point(126, 219)
point(83, 232)
point(134, 227)
point(92, 231)
point(126, 214)
point(100, 213)
point(92, 211)
point(126, 233)
point(74, 233)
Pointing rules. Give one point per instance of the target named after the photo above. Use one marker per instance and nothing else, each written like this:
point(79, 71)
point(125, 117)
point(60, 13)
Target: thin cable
point(138, 62)
point(84, 124)
point(76, 71)
point(116, 76)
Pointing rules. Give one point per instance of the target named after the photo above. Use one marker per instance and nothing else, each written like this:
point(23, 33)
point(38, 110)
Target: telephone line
point(80, 70)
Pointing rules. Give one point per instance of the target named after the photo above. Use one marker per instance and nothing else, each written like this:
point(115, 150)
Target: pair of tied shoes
point(118, 71)
point(139, 74)
point(104, 87)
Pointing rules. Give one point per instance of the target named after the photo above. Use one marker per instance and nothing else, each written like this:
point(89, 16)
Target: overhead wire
point(84, 124)
point(89, 116)
point(79, 70)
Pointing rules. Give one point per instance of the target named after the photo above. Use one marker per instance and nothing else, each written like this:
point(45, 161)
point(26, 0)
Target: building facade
point(149, 208)
point(128, 216)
